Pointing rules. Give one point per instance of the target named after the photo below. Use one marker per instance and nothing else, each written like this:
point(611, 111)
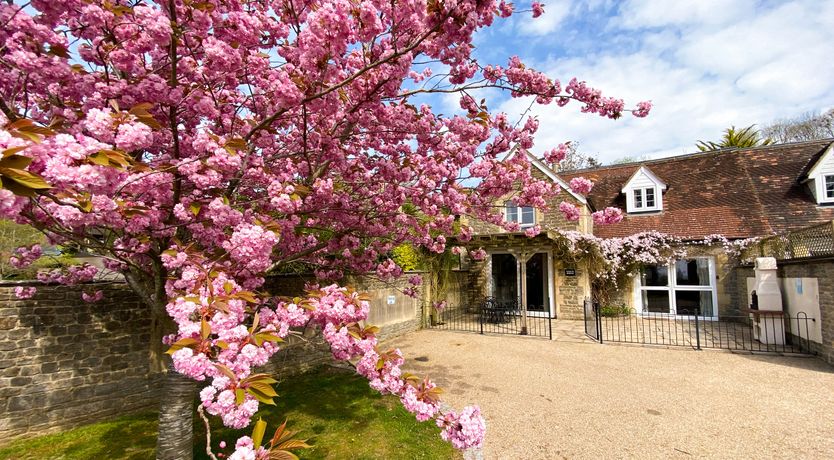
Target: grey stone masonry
point(65, 362)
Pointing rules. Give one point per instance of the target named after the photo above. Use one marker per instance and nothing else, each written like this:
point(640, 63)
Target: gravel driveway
point(572, 398)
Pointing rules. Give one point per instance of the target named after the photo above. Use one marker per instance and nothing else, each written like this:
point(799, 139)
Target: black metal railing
point(759, 331)
point(491, 317)
point(592, 320)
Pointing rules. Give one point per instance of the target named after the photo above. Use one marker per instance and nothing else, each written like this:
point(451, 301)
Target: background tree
point(574, 159)
point(806, 127)
point(198, 145)
point(737, 138)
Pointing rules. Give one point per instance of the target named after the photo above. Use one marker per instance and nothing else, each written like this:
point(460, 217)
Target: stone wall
point(65, 362)
point(301, 354)
point(823, 272)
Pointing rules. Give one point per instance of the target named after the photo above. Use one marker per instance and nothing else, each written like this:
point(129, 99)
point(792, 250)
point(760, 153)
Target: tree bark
point(175, 440)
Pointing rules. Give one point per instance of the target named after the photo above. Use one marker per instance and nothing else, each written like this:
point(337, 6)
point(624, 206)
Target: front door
point(506, 281)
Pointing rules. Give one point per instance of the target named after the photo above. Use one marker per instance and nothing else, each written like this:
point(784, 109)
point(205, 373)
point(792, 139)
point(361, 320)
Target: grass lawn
point(336, 411)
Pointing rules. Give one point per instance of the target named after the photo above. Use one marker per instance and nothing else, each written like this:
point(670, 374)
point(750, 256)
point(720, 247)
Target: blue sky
point(705, 64)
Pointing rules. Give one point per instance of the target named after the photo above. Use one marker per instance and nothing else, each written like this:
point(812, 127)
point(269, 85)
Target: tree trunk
point(175, 440)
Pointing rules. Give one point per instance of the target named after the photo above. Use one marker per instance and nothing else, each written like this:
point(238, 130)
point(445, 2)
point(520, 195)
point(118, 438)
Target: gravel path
point(572, 398)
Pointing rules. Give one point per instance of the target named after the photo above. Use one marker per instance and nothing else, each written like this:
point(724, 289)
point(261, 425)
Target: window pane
point(829, 186)
point(654, 275)
point(656, 301)
point(638, 198)
point(649, 197)
point(528, 216)
point(504, 278)
point(692, 272)
point(512, 212)
point(690, 302)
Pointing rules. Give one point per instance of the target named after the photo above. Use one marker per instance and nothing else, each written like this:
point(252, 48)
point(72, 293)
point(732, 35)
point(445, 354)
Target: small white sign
point(392, 300)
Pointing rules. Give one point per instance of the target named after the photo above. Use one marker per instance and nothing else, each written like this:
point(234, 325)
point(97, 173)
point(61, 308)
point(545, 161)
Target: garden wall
point(65, 362)
point(805, 275)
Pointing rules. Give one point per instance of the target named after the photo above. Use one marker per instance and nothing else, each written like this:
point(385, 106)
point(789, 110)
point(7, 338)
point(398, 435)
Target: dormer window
point(820, 178)
point(644, 192)
point(829, 187)
point(525, 216)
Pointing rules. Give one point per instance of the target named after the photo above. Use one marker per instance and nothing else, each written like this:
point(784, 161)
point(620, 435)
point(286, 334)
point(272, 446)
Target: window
point(683, 287)
point(828, 184)
point(644, 191)
point(644, 199)
point(525, 215)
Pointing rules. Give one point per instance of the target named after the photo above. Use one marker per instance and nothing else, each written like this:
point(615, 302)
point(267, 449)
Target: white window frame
point(519, 214)
point(826, 198)
point(642, 205)
point(672, 286)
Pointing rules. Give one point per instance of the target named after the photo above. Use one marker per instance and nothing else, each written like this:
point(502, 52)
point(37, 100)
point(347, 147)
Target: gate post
point(481, 317)
point(697, 330)
point(595, 306)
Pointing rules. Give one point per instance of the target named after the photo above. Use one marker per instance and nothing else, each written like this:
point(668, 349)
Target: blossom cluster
point(24, 256)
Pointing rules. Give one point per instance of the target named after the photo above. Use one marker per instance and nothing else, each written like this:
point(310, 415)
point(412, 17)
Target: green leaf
point(269, 337)
point(14, 150)
point(240, 396)
point(258, 432)
point(24, 178)
point(205, 329)
point(182, 343)
point(227, 372)
point(264, 388)
point(15, 161)
point(260, 396)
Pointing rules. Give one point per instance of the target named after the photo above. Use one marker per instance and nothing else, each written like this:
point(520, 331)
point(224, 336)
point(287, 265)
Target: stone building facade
point(527, 270)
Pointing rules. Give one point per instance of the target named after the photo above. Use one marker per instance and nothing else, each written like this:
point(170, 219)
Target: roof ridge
point(686, 156)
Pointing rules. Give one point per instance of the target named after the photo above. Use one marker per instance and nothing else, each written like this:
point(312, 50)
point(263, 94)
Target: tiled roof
point(737, 193)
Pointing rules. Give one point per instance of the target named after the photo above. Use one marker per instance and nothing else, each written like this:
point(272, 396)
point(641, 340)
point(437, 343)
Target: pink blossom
point(92, 298)
point(478, 254)
point(538, 9)
point(25, 256)
point(570, 211)
point(581, 185)
point(607, 216)
point(558, 154)
point(25, 292)
point(464, 431)
point(533, 231)
point(643, 109)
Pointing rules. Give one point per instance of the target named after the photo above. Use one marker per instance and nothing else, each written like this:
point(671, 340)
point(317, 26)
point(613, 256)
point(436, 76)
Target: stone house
point(735, 193)
point(528, 270)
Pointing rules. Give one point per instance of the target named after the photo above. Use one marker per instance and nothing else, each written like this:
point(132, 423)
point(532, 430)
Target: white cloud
point(555, 13)
point(705, 66)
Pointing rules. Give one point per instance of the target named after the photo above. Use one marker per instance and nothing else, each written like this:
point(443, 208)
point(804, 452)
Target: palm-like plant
point(737, 138)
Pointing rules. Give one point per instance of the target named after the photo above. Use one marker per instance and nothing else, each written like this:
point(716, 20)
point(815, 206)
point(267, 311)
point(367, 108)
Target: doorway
point(506, 281)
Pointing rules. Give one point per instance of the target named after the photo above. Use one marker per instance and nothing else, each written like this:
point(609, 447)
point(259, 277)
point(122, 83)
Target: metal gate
point(756, 332)
point(492, 317)
point(592, 324)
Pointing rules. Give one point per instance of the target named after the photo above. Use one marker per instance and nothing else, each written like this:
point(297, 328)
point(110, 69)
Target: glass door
point(537, 295)
point(505, 282)
point(683, 287)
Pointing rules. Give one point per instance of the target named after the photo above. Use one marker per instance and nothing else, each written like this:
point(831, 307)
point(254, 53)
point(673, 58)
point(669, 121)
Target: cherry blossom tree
point(196, 145)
